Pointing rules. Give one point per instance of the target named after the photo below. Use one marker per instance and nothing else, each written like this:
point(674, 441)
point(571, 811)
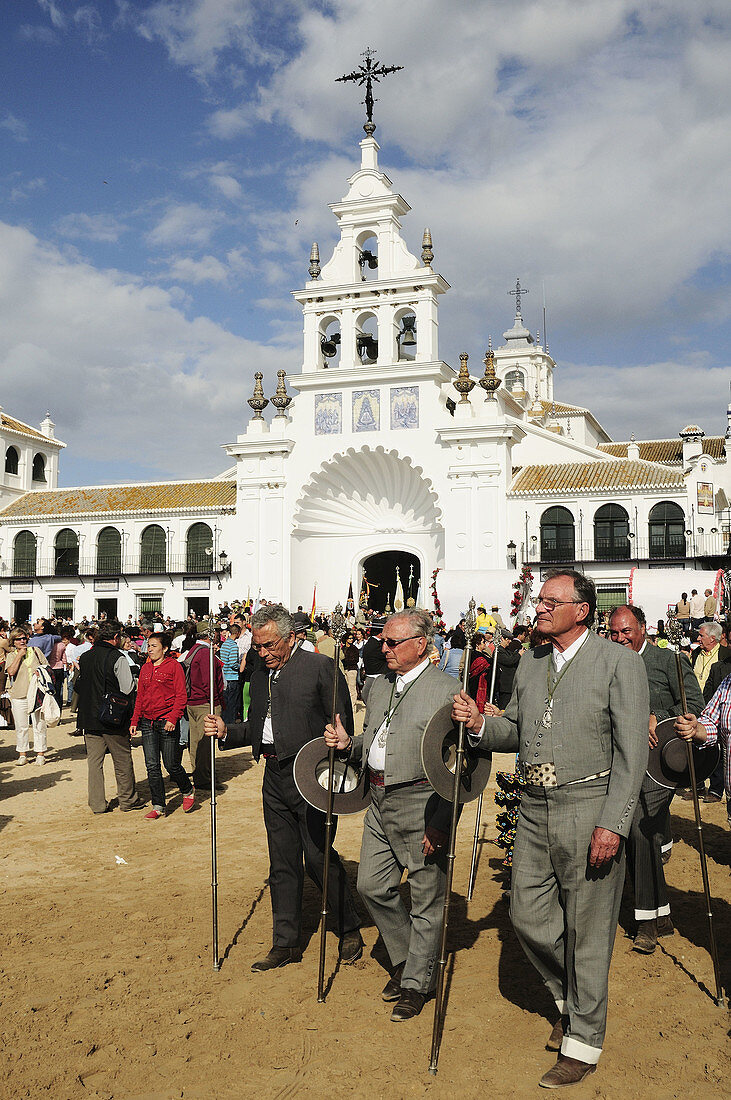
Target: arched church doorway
point(389, 578)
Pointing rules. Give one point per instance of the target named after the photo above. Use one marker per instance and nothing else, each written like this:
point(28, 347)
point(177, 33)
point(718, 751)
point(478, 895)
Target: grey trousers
point(118, 747)
point(644, 851)
point(392, 837)
point(564, 912)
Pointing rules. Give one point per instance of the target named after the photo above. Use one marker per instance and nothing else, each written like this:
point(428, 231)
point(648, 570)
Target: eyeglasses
point(268, 646)
point(391, 643)
point(21, 639)
point(550, 604)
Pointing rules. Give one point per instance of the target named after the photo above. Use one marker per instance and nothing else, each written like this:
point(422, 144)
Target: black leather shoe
point(410, 1004)
point(646, 937)
point(351, 947)
point(277, 958)
point(665, 926)
point(392, 988)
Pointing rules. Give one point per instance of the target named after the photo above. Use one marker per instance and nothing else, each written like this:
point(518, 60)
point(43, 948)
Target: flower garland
point(441, 625)
point(521, 588)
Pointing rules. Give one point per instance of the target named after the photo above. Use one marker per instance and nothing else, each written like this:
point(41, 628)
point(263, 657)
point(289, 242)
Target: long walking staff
point(675, 634)
point(337, 629)
point(478, 815)
point(469, 630)
point(214, 857)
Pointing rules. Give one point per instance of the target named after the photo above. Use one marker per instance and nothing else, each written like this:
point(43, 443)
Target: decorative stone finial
point(427, 255)
point(314, 261)
point(258, 401)
point(281, 400)
point(463, 383)
point(490, 382)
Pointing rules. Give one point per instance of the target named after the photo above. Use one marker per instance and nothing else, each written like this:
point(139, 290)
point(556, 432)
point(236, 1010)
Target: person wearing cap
point(302, 626)
point(406, 824)
point(578, 717)
point(651, 822)
point(291, 702)
point(495, 613)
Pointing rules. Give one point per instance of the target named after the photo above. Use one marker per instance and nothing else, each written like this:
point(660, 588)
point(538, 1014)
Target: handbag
point(114, 709)
point(6, 712)
point(50, 711)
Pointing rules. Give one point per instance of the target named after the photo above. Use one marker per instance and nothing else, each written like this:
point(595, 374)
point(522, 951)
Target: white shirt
point(560, 659)
point(73, 652)
point(377, 753)
point(267, 733)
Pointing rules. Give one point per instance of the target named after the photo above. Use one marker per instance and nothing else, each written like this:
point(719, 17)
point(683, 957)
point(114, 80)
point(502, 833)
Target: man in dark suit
point(291, 697)
point(407, 822)
point(578, 716)
point(650, 824)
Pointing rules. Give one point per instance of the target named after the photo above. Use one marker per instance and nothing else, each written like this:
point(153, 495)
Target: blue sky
point(165, 167)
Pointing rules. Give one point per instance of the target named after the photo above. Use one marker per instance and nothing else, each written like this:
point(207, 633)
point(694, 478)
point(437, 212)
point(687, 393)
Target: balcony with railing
point(683, 548)
point(140, 565)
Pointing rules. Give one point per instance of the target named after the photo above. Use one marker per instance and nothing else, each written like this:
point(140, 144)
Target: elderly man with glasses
point(407, 822)
point(291, 697)
point(578, 716)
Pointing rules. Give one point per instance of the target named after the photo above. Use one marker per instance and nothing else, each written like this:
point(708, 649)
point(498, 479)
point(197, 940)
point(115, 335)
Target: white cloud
point(206, 270)
point(76, 15)
point(184, 224)
point(91, 227)
point(123, 369)
point(26, 188)
point(229, 187)
point(15, 126)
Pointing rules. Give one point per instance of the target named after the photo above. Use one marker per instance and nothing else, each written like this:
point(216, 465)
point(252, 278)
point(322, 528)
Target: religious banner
point(705, 498)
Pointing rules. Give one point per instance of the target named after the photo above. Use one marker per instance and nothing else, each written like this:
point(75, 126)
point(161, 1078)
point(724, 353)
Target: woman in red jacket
point(160, 704)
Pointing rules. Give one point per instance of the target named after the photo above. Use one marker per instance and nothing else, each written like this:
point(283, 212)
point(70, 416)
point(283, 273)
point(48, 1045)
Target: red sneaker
point(153, 815)
point(188, 802)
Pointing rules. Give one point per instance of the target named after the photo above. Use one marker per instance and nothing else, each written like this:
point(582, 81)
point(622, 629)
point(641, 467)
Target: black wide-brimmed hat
point(438, 755)
point(311, 764)
point(667, 763)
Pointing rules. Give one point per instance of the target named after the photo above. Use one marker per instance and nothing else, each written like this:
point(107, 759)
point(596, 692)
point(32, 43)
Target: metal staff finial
point(338, 625)
point(366, 74)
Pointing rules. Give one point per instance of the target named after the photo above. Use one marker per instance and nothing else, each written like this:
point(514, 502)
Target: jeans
point(231, 701)
point(156, 742)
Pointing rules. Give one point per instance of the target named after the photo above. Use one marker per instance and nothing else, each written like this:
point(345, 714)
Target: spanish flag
point(314, 602)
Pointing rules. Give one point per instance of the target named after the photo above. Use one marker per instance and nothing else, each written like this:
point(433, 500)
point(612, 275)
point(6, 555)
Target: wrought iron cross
point(366, 74)
point(517, 292)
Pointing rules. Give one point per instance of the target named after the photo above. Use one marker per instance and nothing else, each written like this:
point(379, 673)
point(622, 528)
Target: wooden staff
point(214, 857)
point(470, 622)
point(337, 628)
point(674, 631)
point(478, 815)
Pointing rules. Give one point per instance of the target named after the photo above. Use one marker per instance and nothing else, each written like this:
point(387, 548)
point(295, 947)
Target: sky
point(165, 166)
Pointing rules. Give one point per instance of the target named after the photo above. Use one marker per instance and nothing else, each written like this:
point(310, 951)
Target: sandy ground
point(108, 989)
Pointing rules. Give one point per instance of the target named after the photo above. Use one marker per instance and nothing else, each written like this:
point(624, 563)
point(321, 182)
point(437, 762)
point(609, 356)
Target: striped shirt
point(716, 721)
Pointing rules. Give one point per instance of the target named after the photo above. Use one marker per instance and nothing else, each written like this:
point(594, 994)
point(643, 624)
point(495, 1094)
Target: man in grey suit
point(407, 822)
point(579, 717)
point(651, 821)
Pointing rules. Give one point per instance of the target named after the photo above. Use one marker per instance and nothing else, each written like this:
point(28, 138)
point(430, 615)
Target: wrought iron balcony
point(150, 565)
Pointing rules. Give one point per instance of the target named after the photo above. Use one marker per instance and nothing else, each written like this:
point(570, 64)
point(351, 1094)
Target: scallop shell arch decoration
point(367, 491)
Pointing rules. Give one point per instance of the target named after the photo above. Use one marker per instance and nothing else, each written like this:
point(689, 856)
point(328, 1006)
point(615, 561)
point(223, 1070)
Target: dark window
point(109, 551)
point(153, 550)
point(11, 461)
point(611, 533)
point(667, 530)
point(514, 378)
point(24, 554)
point(557, 535)
point(66, 553)
point(150, 606)
point(39, 468)
point(199, 549)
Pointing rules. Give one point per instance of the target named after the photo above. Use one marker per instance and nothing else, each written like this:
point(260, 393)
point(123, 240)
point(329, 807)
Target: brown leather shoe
point(392, 988)
point(646, 937)
point(567, 1071)
point(665, 926)
point(559, 1030)
point(410, 1004)
point(277, 957)
point(711, 796)
point(351, 947)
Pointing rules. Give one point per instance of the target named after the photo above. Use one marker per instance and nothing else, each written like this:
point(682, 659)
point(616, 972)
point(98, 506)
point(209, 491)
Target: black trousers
point(296, 839)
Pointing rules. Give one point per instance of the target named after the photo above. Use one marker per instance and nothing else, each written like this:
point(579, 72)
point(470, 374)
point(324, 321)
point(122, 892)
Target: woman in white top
point(21, 665)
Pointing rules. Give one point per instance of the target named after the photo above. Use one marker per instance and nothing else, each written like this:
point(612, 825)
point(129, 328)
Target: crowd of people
point(576, 695)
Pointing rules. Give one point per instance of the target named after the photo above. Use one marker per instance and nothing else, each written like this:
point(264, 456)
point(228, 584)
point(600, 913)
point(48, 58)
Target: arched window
point(199, 549)
point(330, 343)
point(557, 535)
point(366, 338)
point(611, 533)
point(514, 380)
point(66, 553)
point(153, 550)
point(39, 468)
point(24, 554)
point(406, 336)
point(11, 461)
point(109, 551)
point(368, 256)
point(667, 530)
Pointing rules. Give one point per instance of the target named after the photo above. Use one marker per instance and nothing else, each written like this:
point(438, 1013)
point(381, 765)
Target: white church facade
point(373, 455)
